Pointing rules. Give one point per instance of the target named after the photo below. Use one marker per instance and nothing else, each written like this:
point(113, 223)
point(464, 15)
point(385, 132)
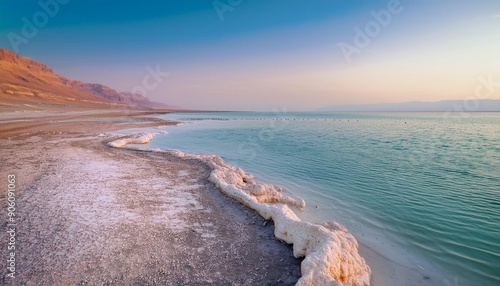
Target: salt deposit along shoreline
point(387, 266)
point(330, 251)
point(101, 200)
point(93, 215)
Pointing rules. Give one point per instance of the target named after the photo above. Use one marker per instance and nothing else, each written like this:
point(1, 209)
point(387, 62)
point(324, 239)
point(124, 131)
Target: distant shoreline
point(446, 106)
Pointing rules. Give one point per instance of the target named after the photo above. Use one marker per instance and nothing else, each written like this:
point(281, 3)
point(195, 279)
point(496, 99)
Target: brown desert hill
point(25, 82)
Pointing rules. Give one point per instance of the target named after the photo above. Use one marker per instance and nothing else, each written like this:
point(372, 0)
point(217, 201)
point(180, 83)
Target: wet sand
point(88, 214)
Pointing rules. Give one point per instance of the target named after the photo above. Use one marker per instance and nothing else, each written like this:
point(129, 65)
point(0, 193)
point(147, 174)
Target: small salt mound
point(262, 192)
point(331, 252)
point(139, 139)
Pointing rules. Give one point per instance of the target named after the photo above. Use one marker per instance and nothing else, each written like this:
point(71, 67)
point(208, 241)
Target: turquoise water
point(420, 188)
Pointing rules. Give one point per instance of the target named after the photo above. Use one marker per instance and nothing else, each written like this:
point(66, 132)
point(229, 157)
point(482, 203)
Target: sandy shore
point(88, 214)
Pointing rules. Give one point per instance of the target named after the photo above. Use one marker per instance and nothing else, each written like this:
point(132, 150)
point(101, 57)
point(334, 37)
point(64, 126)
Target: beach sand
point(89, 214)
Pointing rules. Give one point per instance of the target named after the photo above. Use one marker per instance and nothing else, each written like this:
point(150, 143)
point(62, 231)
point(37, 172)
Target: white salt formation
point(330, 251)
point(136, 139)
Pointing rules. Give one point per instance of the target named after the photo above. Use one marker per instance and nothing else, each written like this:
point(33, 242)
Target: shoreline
point(330, 252)
point(107, 215)
point(387, 271)
point(384, 271)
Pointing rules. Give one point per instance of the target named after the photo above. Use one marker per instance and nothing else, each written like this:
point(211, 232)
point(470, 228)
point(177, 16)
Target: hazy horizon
point(242, 55)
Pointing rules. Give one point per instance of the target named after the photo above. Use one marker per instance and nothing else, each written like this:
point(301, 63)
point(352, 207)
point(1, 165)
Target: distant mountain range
point(480, 105)
point(25, 82)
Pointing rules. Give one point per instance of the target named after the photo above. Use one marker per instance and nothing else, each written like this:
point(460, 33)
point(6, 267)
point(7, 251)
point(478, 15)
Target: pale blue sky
point(260, 55)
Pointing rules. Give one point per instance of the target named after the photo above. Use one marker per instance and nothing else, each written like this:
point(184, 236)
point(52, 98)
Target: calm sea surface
point(421, 188)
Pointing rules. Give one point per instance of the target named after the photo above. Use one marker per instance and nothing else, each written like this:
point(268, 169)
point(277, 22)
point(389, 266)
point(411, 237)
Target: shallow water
point(422, 189)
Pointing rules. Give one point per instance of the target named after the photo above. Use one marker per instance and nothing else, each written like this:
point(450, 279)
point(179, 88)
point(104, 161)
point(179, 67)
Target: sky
point(264, 55)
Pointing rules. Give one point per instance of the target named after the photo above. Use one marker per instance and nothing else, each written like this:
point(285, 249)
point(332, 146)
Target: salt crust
point(330, 251)
point(136, 139)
